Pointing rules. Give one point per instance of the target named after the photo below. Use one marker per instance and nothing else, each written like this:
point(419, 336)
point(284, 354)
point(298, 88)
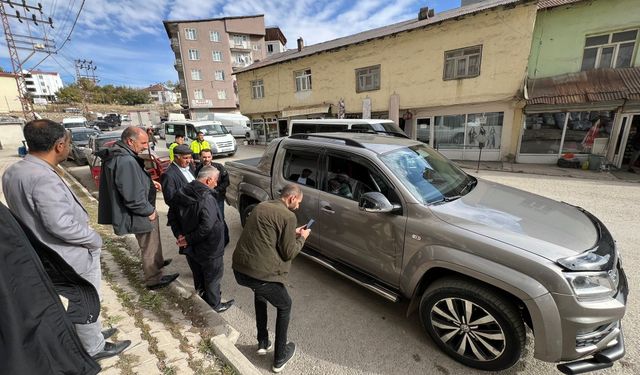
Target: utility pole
point(22, 42)
point(85, 70)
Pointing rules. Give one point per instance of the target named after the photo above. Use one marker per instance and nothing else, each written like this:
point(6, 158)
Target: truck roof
point(379, 144)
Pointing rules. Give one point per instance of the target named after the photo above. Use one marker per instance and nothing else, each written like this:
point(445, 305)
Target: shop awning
point(591, 86)
point(306, 110)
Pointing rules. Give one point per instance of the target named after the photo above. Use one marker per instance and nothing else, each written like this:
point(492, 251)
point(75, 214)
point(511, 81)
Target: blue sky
point(127, 41)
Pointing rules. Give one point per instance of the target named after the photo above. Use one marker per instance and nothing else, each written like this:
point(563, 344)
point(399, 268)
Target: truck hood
point(533, 223)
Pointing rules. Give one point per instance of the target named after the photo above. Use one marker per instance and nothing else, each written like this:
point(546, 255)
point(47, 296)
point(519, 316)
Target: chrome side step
point(378, 289)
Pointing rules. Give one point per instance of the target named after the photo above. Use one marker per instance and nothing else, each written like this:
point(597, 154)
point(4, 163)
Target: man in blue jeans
point(262, 259)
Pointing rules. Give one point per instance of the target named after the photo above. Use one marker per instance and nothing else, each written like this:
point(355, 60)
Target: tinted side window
point(327, 128)
point(303, 128)
point(350, 179)
point(191, 132)
point(301, 167)
point(361, 127)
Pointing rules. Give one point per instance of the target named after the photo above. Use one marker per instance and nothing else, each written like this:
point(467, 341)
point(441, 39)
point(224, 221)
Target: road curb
point(224, 335)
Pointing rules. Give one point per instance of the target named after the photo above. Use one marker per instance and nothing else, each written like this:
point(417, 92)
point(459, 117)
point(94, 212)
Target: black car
point(79, 142)
point(102, 125)
point(113, 119)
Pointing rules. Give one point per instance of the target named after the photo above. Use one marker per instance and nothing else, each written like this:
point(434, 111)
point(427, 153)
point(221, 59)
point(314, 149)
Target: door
point(301, 167)
point(621, 136)
point(370, 242)
point(423, 130)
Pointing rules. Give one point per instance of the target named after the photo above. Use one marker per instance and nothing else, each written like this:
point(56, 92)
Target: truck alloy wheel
point(473, 324)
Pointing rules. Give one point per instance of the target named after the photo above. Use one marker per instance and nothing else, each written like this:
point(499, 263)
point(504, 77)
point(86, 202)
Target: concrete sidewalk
point(172, 330)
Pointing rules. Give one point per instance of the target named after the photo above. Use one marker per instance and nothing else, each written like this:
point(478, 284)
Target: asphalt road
point(341, 328)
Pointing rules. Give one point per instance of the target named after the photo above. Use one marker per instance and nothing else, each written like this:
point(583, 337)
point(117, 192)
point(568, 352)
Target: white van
point(74, 122)
point(221, 142)
point(236, 124)
point(381, 127)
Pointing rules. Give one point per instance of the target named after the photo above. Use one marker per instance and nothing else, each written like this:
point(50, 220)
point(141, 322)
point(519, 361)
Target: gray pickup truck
point(479, 261)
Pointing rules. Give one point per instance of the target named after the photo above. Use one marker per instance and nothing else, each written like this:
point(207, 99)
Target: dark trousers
point(276, 294)
point(226, 228)
point(207, 274)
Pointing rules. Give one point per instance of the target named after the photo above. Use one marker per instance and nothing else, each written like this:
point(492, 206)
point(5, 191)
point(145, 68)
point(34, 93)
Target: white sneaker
point(264, 347)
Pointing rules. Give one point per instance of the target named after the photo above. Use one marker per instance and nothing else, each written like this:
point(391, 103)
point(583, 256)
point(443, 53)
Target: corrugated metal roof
point(380, 32)
point(544, 4)
point(584, 87)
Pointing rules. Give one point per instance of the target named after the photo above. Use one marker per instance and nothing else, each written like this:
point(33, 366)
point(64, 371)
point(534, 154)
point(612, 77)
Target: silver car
point(478, 261)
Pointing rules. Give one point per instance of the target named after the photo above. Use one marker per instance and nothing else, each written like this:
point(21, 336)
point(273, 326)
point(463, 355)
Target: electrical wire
point(72, 27)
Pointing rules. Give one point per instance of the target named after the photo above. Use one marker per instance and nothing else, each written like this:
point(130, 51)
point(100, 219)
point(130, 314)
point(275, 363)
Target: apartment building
point(42, 86)
point(275, 40)
point(207, 54)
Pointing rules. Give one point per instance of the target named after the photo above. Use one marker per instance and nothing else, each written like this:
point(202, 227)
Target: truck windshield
point(429, 176)
point(212, 129)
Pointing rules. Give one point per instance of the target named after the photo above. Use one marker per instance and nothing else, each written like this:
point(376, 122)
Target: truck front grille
point(224, 144)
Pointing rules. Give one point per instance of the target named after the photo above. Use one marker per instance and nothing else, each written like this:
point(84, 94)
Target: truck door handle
point(326, 207)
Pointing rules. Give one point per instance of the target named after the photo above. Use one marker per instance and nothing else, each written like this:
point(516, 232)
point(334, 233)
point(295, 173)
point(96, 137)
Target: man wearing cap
point(178, 174)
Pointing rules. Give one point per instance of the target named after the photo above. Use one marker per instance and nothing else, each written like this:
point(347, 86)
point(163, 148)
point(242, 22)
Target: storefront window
point(584, 128)
point(463, 131)
point(542, 133)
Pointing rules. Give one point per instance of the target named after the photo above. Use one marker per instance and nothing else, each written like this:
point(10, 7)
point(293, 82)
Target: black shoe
point(278, 364)
point(111, 349)
point(264, 346)
point(223, 306)
point(164, 281)
point(109, 332)
point(166, 262)
point(631, 170)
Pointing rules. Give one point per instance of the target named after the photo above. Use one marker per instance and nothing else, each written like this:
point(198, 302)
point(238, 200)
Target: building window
point(257, 89)
point(462, 132)
point(240, 40)
point(219, 75)
point(462, 63)
point(368, 79)
point(217, 56)
point(196, 74)
point(222, 94)
point(190, 34)
point(303, 80)
point(214, 36)
point(194, 54)
point(198, 94)
point(613, 50)
point(270, 48)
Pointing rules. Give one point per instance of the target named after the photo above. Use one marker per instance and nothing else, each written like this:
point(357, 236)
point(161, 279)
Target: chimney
point(300, 44)
point(425, 13)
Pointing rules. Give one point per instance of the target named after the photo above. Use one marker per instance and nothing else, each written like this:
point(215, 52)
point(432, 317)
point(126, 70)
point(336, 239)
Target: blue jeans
point(276, 294)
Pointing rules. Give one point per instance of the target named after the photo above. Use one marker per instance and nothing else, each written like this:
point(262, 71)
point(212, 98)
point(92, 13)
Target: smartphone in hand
point(309, 224)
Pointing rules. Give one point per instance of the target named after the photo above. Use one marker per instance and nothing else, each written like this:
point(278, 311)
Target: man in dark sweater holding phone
point(261, 261)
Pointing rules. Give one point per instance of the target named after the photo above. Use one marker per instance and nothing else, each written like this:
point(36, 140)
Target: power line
point(72, 26)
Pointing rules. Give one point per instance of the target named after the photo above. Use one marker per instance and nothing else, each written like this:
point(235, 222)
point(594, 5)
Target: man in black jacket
point(127, 201)
point(206, 158)
point(200, 228)
point(178, 174)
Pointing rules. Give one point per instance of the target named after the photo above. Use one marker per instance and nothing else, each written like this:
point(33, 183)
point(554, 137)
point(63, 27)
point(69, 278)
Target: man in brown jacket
point(262, 259)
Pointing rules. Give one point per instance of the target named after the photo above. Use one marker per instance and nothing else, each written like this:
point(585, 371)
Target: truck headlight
point(588, 261)
point(593, 285)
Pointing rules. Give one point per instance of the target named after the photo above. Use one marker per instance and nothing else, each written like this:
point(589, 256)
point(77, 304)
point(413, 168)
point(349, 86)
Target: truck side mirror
point(374, 201)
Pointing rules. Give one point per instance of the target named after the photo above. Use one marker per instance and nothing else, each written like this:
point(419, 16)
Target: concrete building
point(161, 94)
point(275, 40)
point(9, 97)
point(583, 87)
point(42, 86)
point(444, 78)
point(207, 54)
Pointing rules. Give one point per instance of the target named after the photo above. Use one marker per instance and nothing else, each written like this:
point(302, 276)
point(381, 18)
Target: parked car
point(154, 164)
point(79, 143)
point(384, 127)
point(72, 110)
point(113, 119)
point(477, 260)
point(74, 122)
point(101, 124)
point(100, 141)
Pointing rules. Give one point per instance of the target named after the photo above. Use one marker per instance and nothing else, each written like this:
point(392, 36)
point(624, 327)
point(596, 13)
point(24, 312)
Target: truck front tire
point(246, 212)
point(473, 324)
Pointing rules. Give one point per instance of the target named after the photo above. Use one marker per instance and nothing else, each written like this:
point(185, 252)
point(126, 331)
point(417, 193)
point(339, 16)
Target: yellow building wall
point(9, 101)
point(411, 65)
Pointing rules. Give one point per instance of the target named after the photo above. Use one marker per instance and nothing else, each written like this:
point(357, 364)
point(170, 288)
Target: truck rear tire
point(246, 212)
point(473, 324)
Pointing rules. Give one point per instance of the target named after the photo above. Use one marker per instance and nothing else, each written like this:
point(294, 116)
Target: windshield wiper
point(469, 185)
point(446, 199)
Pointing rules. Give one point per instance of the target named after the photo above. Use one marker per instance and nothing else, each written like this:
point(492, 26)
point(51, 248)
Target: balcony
point(240, 47)
point(178, 64)
point(201, 103)
point(175, 45)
